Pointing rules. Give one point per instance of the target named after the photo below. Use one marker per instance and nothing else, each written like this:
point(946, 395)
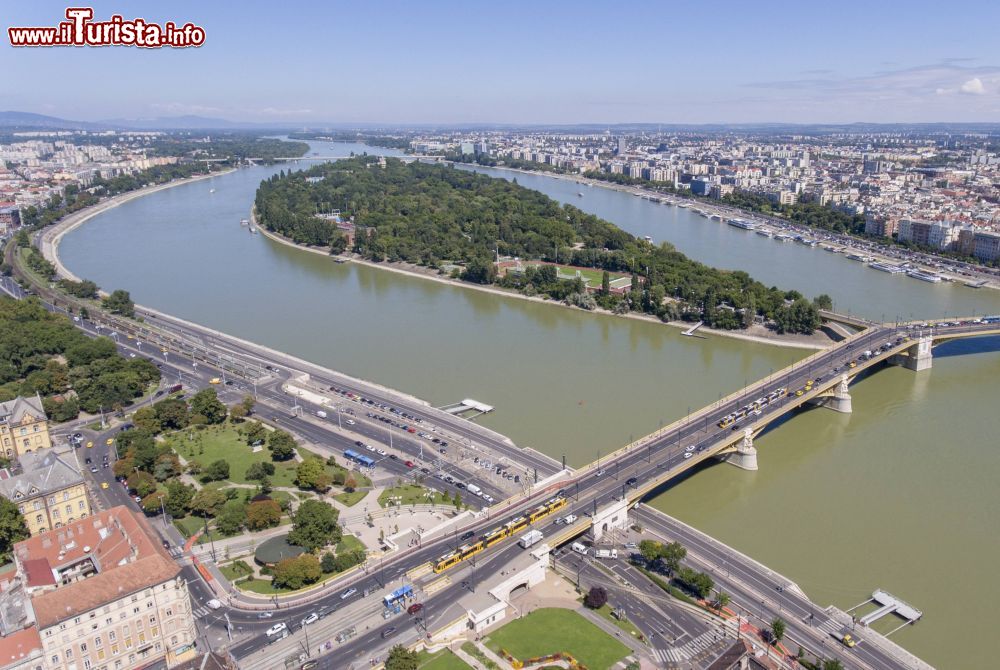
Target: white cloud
point(973, 87)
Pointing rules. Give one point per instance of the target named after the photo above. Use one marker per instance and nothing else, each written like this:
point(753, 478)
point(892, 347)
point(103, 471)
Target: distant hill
point(13, 120)
point(25, 120)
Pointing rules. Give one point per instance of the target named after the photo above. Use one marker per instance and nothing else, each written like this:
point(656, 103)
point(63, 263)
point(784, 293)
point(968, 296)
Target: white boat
point(858, 257)
point(924, 276)
point(211, 190)
point(886, 267)
point(244, 222)
point(740, 223)
point(764, 233)
point(782, 237)
point(579, 193)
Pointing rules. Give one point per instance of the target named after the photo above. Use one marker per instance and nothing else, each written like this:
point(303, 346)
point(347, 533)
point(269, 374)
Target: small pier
point(888, 604)
point(466, 407)
point(692, 331)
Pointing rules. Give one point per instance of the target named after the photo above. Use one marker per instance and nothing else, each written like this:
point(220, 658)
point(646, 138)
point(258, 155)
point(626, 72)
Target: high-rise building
point(622, 147)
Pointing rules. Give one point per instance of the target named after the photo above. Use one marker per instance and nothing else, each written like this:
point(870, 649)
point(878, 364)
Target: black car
point(467, 534)
point(388, 631)
point(631, 481)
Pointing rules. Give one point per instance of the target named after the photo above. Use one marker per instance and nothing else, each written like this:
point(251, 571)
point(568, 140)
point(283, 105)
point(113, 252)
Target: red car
point(414, 608)
point(411, 429)
point(409, 464)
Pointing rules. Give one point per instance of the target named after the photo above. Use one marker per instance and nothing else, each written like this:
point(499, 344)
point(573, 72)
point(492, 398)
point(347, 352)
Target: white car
point(688, 455)
point(349, 422)
point(370, 448)
point(277, 628)
point(312, 618)
point(348, 593)
point(380, 452)
point(691, 448)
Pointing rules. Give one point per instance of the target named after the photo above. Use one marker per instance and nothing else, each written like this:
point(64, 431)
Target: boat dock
point(690, 332)
point(468, 405)
point(888, 604)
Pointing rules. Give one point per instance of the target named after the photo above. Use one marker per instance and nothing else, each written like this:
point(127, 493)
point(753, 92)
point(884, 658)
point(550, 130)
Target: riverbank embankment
point(759, 334)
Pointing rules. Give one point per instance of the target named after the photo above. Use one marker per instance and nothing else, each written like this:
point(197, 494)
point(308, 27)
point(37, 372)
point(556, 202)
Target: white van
point(579, 548)
point(214, 604)
point(321, 414)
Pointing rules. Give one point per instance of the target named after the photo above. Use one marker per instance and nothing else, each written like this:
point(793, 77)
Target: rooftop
point(90, 562)
point(13, 411)
point(43, 471)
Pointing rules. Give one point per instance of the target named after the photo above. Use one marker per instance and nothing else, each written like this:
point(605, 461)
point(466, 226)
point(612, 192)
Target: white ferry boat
point(782, 237)
point(764, 233)
point(740, 223)
point(858, 257)
point(886, 267)
point(924, 276)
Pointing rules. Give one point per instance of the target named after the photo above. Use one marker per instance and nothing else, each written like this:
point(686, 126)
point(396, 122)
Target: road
point(665, 456)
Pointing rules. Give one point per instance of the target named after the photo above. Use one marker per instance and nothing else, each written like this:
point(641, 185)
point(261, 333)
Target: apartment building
point(102, 594)
point(24, 427)
point(50, 492)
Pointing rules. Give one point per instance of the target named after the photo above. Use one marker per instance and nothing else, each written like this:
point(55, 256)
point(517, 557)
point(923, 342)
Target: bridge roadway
point(663, 456)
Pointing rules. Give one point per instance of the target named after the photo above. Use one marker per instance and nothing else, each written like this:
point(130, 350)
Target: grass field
point(442, 660)
point(350, 499)
point(225, 443)
point(411, 494)
point(349, 543)
point(592, 275)
point(625, 625)
point(548, 631)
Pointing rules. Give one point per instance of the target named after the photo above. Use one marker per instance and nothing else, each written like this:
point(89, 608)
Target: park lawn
point(442, 660)
point(225, 443)
point(261, 586)
point(625, 625)
point(349, 543)
point(350, 499)
point(549, 630)
point(235, 570)
point(412, 494)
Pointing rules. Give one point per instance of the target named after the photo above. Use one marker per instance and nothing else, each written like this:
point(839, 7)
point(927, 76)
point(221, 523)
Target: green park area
point(224, 442)
point(441, 660)
point(551, 631)
point(413, 494)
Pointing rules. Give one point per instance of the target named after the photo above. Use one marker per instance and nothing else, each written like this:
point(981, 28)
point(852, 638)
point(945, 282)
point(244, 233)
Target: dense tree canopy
point(43, 353)
point(428, 214)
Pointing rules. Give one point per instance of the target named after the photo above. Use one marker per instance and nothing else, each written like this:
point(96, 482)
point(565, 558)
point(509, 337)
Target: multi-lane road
point(661, 457)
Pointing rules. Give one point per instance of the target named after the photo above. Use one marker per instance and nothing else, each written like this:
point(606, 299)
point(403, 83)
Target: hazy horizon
point(450, 63)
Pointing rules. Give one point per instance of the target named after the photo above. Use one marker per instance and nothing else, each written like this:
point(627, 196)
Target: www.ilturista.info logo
point(81, 31)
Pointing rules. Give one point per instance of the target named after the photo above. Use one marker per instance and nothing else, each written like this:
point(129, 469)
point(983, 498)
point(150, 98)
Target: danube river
point(897, 495)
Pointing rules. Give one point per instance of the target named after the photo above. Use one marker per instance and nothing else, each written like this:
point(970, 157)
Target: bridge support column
point(840, 401)
point(745, 456)
point(918, 357)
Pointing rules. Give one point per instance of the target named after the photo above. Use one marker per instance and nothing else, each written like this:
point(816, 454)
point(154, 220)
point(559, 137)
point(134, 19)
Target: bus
point(402, 593)
point(361, 459)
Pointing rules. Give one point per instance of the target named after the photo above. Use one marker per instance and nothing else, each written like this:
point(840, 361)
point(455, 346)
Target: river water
point(897, 495)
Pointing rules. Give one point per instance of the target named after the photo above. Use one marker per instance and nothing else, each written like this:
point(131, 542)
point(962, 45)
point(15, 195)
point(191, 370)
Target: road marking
point(436, 586)
point(419, 571)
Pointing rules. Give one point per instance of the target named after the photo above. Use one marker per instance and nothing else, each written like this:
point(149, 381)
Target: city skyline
point(391, 63)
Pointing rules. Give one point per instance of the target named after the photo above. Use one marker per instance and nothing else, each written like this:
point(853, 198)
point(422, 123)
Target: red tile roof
point(18, 645)
point(125, 550)
point(38, 572)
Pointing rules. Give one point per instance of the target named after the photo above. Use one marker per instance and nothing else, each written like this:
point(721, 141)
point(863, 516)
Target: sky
point(541, 62)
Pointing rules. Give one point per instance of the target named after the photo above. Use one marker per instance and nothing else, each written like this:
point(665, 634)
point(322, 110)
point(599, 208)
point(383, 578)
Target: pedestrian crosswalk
point(176, 552)
point(689, 649)
point(200, 612)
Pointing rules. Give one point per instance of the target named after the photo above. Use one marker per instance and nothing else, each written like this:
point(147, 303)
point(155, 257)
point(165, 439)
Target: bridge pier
point(839, 401)
point(745, 456)
point(919, 357)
